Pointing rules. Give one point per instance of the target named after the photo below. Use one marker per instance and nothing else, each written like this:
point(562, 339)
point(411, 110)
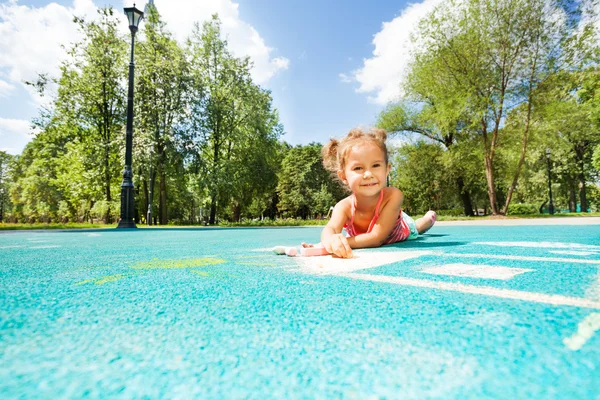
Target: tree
point(5, 171)
point(161, 84)
point(494, 52)
point(232, 127)
point(91, 99)
point(566, 108)
point(304, 185)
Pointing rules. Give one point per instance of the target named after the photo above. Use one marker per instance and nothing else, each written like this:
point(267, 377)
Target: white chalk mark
point(585, 330)
point(476, 271)
point(552, 299)
point(574, 253)
point(551, 245)
point(523, 258)
point(328, 265)
point(44, 247)
point(11, 247)
point(94, 234)
point(262, 250)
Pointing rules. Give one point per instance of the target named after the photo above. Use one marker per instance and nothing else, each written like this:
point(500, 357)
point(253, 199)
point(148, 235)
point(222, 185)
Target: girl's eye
point(357, 168)
point(376, 165)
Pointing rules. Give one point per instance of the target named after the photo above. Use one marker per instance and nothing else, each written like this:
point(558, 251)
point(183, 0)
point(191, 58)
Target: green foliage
point(417, 171)
point(596, 158)
point(522, 209)
point(305, 188)
point(452, 212)
point(494, 83)
point(161, 89)
point(6, 161)
point(232, 127)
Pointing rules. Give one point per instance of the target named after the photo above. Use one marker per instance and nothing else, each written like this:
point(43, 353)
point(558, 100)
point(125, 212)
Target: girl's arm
point(331, 237)
point(384, 225)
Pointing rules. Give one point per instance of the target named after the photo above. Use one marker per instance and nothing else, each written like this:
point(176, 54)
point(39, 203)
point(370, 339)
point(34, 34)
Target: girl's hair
point(336, 151)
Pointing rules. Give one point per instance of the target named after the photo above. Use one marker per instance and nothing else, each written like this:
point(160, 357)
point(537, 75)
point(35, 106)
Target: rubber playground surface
point(465, 312)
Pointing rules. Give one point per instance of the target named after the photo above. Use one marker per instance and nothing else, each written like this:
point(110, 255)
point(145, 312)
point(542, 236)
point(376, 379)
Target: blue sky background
point(331, 65)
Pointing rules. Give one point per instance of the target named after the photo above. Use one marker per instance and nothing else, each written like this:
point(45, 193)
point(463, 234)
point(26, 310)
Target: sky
point(330, 65)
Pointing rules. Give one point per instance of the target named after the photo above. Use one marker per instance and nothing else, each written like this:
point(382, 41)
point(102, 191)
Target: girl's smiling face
point(365, 171)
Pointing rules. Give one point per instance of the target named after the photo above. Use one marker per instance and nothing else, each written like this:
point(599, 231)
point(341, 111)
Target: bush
point(522, 209)
point(453, 212)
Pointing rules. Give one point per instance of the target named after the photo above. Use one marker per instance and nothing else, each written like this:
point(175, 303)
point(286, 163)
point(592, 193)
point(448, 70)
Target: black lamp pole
point(551, 205)
point(127, 201)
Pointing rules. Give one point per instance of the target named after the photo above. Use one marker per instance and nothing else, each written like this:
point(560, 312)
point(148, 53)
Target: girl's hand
point(338, 246)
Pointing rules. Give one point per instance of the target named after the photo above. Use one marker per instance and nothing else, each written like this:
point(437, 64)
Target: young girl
point(372, 215)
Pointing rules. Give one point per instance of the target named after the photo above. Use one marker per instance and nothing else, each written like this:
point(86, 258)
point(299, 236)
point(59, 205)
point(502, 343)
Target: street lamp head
point(134, 16)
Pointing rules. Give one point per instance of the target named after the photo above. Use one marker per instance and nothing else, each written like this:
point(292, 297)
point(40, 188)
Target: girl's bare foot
point(426, 222)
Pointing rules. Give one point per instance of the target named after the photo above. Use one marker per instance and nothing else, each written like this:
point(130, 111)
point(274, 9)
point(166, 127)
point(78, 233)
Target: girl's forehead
point(361, 151)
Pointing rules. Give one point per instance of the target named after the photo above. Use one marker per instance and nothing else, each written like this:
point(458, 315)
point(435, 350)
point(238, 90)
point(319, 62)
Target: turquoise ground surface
point(213, 314)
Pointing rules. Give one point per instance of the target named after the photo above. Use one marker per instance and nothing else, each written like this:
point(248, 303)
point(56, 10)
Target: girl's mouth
point(369, 184)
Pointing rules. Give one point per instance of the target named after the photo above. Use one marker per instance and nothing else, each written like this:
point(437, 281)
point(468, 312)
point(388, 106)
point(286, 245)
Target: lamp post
point(127, 201)
point(550, 206)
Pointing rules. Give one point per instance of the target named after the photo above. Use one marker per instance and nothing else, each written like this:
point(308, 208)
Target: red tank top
point(400, 232)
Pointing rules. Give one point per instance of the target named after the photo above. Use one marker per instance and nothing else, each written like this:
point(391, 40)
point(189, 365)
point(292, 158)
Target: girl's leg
point(426, 222)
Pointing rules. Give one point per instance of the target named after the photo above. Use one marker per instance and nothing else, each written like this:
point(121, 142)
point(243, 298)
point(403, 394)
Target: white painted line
point(328, 265)
point(574, 253)
point(11, 247)
point(524, 221)
point(585, 330)
point(476, 271)
point(546, 245)
point(523, 258)
point(44, 247)
point(552, 299)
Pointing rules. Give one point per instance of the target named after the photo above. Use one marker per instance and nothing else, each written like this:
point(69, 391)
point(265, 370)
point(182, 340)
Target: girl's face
point(365, 171)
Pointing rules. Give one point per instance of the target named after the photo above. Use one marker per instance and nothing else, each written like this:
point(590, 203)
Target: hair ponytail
point(330, 155)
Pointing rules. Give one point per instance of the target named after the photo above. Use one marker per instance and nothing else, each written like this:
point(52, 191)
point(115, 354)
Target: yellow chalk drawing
point(104, 279)
point(158, 264)
point(184, 263)
point(259, 256)
point(201, 273)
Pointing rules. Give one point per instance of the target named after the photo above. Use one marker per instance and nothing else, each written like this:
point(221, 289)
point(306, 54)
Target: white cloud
point(5, 88)
point(383, 73)
point(14, 134)
point(31, 38)
point(242, 38)
point(345, 78)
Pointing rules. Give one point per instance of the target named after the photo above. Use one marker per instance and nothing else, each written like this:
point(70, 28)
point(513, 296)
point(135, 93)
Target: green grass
point(52, 225)
point(275, 223)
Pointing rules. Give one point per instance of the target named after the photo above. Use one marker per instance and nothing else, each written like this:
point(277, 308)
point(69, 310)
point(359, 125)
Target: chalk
point(280, 250)
point(313, 251)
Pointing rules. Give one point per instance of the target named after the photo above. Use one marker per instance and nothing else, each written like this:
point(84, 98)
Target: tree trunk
point(213, 208)
point(465, 197)
point(580, 154)
point(572, 196)
point(107, 216)
point(491, 186)
point(237, 211)
point(145, 184)
point(163, 197)
point(582, 192)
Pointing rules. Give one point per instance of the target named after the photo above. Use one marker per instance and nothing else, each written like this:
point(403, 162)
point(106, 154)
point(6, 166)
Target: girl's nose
point(367, 174)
